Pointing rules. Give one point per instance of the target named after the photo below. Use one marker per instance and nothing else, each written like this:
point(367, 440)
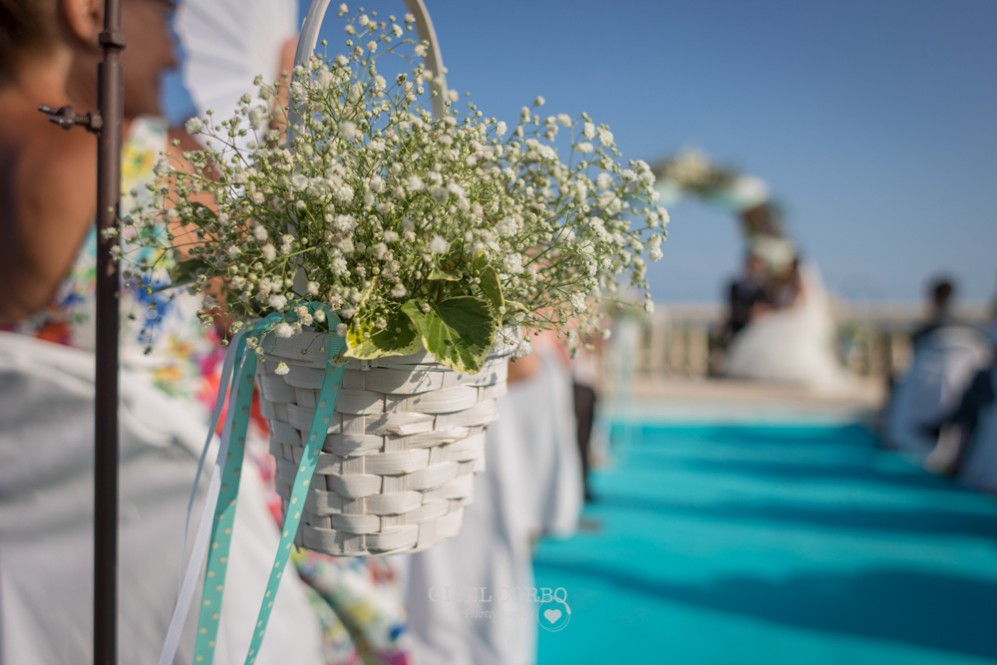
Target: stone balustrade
point(682, 340)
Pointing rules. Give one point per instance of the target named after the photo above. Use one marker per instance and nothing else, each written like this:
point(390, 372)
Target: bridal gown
point(791, 346)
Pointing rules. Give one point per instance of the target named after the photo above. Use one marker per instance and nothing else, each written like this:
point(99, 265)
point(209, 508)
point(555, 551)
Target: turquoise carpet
point(773, 544)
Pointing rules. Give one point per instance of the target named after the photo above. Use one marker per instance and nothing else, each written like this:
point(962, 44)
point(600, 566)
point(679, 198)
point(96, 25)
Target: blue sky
point(874, 122)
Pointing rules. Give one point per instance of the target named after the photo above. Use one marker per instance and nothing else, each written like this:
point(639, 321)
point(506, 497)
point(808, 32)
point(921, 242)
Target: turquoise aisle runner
point(774, 545)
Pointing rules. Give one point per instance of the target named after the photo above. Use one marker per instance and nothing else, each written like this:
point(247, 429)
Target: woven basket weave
point(396, 468)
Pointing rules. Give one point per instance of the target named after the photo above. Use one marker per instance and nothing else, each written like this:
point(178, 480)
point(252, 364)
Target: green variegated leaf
point(492, 289)
point(457, 331)
point(439, 274)
point(398, 339)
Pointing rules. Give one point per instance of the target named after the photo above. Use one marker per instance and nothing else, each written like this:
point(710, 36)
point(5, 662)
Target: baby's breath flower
point(348, 130)
point(438, 245)
point(258, 118)
point(376, 203)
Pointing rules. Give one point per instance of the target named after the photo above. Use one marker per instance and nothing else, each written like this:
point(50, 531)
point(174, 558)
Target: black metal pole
point(106, 123)
point(110, 88)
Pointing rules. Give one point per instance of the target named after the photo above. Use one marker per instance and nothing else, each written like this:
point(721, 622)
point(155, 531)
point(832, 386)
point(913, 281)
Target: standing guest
point(48, 54)
point(584, 400)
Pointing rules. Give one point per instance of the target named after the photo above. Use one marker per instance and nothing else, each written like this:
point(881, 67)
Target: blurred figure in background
point(48, 242)
point(992, 324)
point(966, 448)
point(747, 296)
point(940, 297)
point(584, 369)
point(946, 357)
point(977, 461)
point(790, 337)
point(470, 599)
point(786, 288)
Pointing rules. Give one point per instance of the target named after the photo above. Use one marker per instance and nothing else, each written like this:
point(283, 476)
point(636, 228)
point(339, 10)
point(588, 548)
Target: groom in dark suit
point(748, 296)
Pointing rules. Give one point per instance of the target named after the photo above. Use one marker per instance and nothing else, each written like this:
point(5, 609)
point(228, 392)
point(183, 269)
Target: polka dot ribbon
point(225, 485)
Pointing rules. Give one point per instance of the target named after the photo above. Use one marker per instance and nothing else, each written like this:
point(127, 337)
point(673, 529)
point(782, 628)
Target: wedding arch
point(691, 174)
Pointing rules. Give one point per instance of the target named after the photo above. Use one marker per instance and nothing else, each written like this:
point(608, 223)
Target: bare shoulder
point(47, 203)
point(58, 174)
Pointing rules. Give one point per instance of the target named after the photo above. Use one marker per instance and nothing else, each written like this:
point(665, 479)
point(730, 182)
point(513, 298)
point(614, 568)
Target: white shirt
point(46, 522)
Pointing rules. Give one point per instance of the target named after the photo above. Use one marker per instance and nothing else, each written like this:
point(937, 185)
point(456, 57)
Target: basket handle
point(308, 40)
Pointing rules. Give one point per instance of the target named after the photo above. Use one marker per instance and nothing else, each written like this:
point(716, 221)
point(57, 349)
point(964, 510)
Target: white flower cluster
point(374, 203)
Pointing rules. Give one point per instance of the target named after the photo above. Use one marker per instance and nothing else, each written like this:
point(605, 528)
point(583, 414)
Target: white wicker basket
point(396, 468)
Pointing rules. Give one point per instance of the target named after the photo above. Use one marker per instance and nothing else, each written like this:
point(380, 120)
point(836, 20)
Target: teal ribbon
point(236, 425)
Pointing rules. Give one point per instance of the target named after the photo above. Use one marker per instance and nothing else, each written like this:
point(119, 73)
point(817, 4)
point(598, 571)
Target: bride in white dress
point(792, 344)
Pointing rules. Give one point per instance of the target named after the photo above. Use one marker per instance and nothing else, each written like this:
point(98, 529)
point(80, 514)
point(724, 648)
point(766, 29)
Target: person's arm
point(523, 369)
point(53, 195)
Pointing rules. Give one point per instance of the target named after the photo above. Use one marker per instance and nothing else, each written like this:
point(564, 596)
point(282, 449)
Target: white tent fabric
point(944, 362)
point(467, 596)
point(46, 521)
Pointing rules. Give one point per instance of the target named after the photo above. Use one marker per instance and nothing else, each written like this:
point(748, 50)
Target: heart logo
point(552, 615)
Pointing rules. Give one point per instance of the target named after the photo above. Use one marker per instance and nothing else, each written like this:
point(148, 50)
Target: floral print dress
point(176, 363)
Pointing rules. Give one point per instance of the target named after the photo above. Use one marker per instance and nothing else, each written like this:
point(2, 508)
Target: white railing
point(680, 340)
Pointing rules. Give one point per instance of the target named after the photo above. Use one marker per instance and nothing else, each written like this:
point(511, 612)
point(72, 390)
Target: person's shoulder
point(58, 169)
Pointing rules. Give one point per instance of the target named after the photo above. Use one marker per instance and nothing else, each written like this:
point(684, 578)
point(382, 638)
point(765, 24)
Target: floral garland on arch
point(691, 172)
point(417, 232)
